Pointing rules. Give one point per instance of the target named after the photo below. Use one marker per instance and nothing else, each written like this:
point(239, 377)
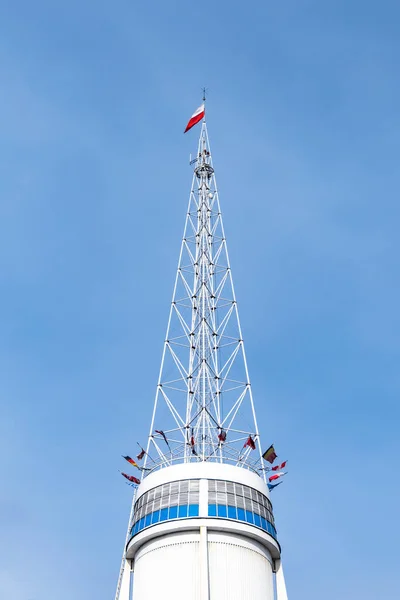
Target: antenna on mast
point(204, 102)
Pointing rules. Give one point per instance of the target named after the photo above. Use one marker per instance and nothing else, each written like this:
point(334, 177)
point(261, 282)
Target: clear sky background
point(303, 117)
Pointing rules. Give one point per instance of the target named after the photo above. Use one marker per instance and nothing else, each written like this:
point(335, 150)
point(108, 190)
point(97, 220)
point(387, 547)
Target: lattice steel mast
point(203, 403)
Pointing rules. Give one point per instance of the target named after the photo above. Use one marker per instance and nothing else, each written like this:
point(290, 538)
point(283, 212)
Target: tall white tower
point(201, 525)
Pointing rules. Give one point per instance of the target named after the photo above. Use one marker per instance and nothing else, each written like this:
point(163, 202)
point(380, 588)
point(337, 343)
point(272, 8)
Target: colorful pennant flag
point(222, 436)
point(271, 486)
point(130, 478)
point(131, 461)
point(196, 117)
point(250, 443)
point(277, 476)
point(160, 432)
point(279, 467)
point(192, 444)
point(141, 454)
point(270, 454)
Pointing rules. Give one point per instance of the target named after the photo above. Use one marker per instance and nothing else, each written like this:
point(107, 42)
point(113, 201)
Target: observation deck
point(219, 496)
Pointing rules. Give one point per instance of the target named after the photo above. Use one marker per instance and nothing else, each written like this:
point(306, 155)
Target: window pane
point(232, 512)
point(148, 508)
point(241, 514)
point(212, 510)
point(147, 520)
point(257, 520)
point(184, 486)
point(221, 498)
point(173, 499)
point(239, 489)
point(182, 511)
point(173, 512)
point(231, 499)
point(194, 497)
point(164, 501)
point(156, 516)
point(248, 504)
point(193, 510)
point(246, 491)
point(163, 514)
point(184, 498)
point(230, 487)
point(240, 501)
point(249, 516)
point(222, 512)
point(212, 497)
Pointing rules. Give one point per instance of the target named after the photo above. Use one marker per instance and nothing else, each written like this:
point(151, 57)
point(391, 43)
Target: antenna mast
point(204, 403)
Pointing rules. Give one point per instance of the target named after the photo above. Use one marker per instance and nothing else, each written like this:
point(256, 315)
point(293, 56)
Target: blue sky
point(304, 125)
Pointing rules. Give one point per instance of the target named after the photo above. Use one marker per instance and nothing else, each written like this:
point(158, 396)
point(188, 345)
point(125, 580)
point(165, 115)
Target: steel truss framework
point(204, 403)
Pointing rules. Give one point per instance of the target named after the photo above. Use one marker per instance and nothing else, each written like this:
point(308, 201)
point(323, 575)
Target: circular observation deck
point(220, 497)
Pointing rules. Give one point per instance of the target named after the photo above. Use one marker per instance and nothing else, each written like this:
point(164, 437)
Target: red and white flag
point(279, 467)
point(250, 443)
point(277, 476)
point(196, 117)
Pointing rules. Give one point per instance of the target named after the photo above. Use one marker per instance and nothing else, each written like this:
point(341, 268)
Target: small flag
point(250, 442)
point(130, 478)
point(160, 432)
point(271, 486)
point(192, 444)
point(131, 461)
point(270, 454)
point(277, 476)
point(141, 454)
point(279, 467)
point(195, 118)
point(222, 436)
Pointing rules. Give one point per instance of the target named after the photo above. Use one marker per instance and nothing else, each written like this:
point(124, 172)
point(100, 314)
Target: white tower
point(201, 525)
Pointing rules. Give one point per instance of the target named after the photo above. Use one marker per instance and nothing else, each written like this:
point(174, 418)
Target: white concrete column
point(281, 593)
point(203, 498)
point(204, 568)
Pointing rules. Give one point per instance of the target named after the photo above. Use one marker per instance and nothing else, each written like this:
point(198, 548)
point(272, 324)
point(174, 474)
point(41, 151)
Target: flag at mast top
point(196, 117)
